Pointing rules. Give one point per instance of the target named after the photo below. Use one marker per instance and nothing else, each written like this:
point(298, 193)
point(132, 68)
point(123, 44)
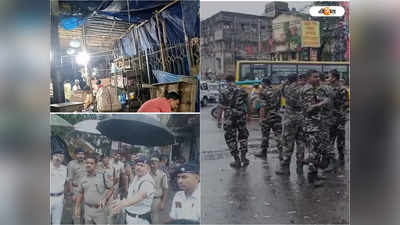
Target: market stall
point(121, 44)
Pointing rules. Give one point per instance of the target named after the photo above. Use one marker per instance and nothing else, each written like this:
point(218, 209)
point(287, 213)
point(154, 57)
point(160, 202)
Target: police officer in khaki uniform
point(140, 195)
point(161, 189)
point(95, 191)
point(76, 170)
point(109, 171)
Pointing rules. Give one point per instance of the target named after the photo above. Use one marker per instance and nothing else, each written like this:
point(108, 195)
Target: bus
point(253, 71)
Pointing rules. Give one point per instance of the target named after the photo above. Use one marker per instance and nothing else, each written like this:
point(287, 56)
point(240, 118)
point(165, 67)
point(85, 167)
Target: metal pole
point(147, 65)
point(259, 39)
point(129, 12)
point(56, 73)
point(162, 50)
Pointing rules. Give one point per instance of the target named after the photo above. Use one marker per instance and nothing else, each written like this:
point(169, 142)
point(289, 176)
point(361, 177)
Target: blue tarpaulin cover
point(165, 77)
point(184, 13)
point(71, 23)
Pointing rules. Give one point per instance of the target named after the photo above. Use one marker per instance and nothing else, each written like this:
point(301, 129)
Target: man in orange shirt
point(161, 104)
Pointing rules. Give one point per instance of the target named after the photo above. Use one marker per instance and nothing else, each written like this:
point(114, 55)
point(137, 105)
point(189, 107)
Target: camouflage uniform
point(234, 100)
point(315, 127)
point(270, 101)
point(293, 126)
point(337, 128)
point(328, 118)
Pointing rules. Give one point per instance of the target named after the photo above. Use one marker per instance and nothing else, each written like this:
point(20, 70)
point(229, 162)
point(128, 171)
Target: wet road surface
point(255, 195)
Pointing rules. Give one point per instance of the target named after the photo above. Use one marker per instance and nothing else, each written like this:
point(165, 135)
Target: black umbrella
point(136, 129)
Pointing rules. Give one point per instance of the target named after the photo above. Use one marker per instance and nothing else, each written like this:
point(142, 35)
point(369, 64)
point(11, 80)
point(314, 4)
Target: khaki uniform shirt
point(94, 188)
point(76, 171)
point(161, 182)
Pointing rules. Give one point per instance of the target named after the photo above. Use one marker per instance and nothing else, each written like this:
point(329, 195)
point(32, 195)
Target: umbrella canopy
point(56, 120)
point(87, 126)
point(136, 129)
point(59, 126)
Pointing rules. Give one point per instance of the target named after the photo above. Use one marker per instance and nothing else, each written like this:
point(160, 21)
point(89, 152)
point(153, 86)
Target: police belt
point(92, 205)
point(145, 216)
point(56, 194)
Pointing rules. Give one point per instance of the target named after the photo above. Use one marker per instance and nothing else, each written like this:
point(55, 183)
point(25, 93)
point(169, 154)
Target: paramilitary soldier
point(233, 101)
point(314, 98)
point(270, 117)
point(292, 125)
point(337, 128)
point(95, 191)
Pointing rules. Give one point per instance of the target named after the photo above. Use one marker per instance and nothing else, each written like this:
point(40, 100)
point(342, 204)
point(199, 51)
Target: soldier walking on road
point(292, 125)
point(76, 171)
point(337, 129)
point(95, 191)
point(314, 98)
point(234, 102)
point(270, 118)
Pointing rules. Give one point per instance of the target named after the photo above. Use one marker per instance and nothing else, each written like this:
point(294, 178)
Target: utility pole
point(56, 75)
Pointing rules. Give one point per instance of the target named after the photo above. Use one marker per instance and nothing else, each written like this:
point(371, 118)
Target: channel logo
point(324, 11)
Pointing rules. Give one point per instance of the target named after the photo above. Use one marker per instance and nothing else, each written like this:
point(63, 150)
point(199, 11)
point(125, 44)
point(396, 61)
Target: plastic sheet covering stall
point(174, 24)
point(165, 77)
point(128, 45)
point(175, 16)
point(149, 35)
point(191, 17)
point(139, 10)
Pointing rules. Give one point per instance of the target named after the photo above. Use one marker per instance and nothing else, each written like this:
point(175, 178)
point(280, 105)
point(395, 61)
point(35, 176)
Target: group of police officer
point(314, 118)
point(111, 192)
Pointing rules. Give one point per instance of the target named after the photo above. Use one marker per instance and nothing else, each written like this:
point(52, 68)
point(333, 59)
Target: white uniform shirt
point(146, 183)
point(187, 208)
point(58, 176)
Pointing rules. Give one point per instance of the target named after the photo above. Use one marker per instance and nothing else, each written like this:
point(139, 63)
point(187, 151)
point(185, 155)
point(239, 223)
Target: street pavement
point(256, 195)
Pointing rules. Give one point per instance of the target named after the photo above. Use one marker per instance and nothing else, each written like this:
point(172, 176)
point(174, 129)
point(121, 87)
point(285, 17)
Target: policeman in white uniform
point(186, 203)
point(137, 206)
point(58, 177)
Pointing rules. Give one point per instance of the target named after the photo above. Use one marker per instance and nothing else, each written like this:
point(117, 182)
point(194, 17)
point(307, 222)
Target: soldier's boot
point(283, 171)
point(261, 154)
point(236, 163)
point(245, 161)
point(314, 179)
